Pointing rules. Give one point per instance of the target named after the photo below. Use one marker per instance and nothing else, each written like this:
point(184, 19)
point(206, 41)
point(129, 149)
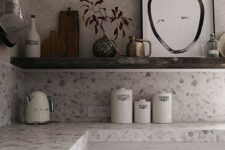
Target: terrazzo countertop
point(75, 136)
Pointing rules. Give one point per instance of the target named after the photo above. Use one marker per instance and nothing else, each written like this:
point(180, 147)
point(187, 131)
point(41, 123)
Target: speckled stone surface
point(46, 137)
point(154, 146)
point(197, 96)
point(158, 133)
point(76, 136)
point(11, 93)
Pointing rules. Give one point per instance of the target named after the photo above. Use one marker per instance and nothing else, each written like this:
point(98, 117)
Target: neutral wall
point(11, 93)
point(47, 14)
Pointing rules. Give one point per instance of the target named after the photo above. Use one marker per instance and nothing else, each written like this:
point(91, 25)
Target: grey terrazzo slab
point(158, 133)
point(77, 136)
point(154, 146)
point(197, 96)
point(11, 93)
point(46, 137)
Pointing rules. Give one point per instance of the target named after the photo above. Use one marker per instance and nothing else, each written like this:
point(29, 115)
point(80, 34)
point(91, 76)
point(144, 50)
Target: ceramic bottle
point(213, 46)
point(33, 44)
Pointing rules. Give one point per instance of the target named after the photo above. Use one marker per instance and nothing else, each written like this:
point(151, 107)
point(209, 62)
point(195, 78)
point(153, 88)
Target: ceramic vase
point(104, 47)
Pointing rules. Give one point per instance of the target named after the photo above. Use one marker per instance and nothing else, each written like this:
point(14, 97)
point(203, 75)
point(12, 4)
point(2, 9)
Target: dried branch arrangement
point(96, 15)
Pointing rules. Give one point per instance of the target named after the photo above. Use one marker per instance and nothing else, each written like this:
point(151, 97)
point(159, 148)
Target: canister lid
point(142, 101)
point(162, 94)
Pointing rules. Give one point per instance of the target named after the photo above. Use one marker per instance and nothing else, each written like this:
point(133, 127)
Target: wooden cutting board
point(69, 31)
point(53, 46)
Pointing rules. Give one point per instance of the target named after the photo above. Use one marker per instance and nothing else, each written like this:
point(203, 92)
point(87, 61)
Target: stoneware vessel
point(122, 106)
point(38, 108)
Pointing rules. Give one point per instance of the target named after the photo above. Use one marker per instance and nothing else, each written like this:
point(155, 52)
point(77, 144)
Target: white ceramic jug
point(38, 108)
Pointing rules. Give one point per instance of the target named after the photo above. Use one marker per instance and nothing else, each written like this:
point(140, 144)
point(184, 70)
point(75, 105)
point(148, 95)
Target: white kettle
point(38, 108)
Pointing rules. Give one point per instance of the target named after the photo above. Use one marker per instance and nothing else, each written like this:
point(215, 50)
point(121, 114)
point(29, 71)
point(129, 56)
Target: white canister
point(162, 108)
point(142, 111)
point(122, 106)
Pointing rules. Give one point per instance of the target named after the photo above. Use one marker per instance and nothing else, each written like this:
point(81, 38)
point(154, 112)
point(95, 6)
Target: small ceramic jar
point(142, 111)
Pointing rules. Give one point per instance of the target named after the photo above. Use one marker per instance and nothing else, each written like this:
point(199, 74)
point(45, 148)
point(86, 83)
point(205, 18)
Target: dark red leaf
point(125, 22)
point(87, 21)
point(96, 22)
point(102, 18)
point(112, 19)
point(114, 13)
point(116, 9)
point(120, 14)
point(85, 12)
point(84, 0)
point(87, 6)
point(121, 25)
point(124, 34)
point(91, 21)
point(130, 20)
point(94, 18)
point(99, 2)
point(87, 1)
point(96, 29)
point(116, 31)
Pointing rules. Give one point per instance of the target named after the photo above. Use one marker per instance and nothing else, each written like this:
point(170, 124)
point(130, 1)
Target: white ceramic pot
point(38, 108)
point(122, 106)
point(162, 108)
point(142, 111)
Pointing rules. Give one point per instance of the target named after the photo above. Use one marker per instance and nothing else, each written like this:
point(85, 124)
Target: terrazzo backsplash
point(85, 96)
point(11, 93)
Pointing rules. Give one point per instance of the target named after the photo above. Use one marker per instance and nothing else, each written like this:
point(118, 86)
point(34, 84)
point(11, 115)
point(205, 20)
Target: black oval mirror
point(174, 20)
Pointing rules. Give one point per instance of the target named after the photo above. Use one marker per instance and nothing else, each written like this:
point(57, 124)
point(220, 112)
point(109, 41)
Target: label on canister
point(162, 108)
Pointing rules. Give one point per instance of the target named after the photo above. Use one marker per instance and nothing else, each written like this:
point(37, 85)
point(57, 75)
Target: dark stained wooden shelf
point(120, 63)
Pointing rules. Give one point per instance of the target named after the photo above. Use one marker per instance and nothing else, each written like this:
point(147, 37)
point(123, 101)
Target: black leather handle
point(51, 104)
point(4, 39)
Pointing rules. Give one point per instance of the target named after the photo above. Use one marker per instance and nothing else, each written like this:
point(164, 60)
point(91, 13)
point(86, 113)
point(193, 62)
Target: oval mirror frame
point(160, 39)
